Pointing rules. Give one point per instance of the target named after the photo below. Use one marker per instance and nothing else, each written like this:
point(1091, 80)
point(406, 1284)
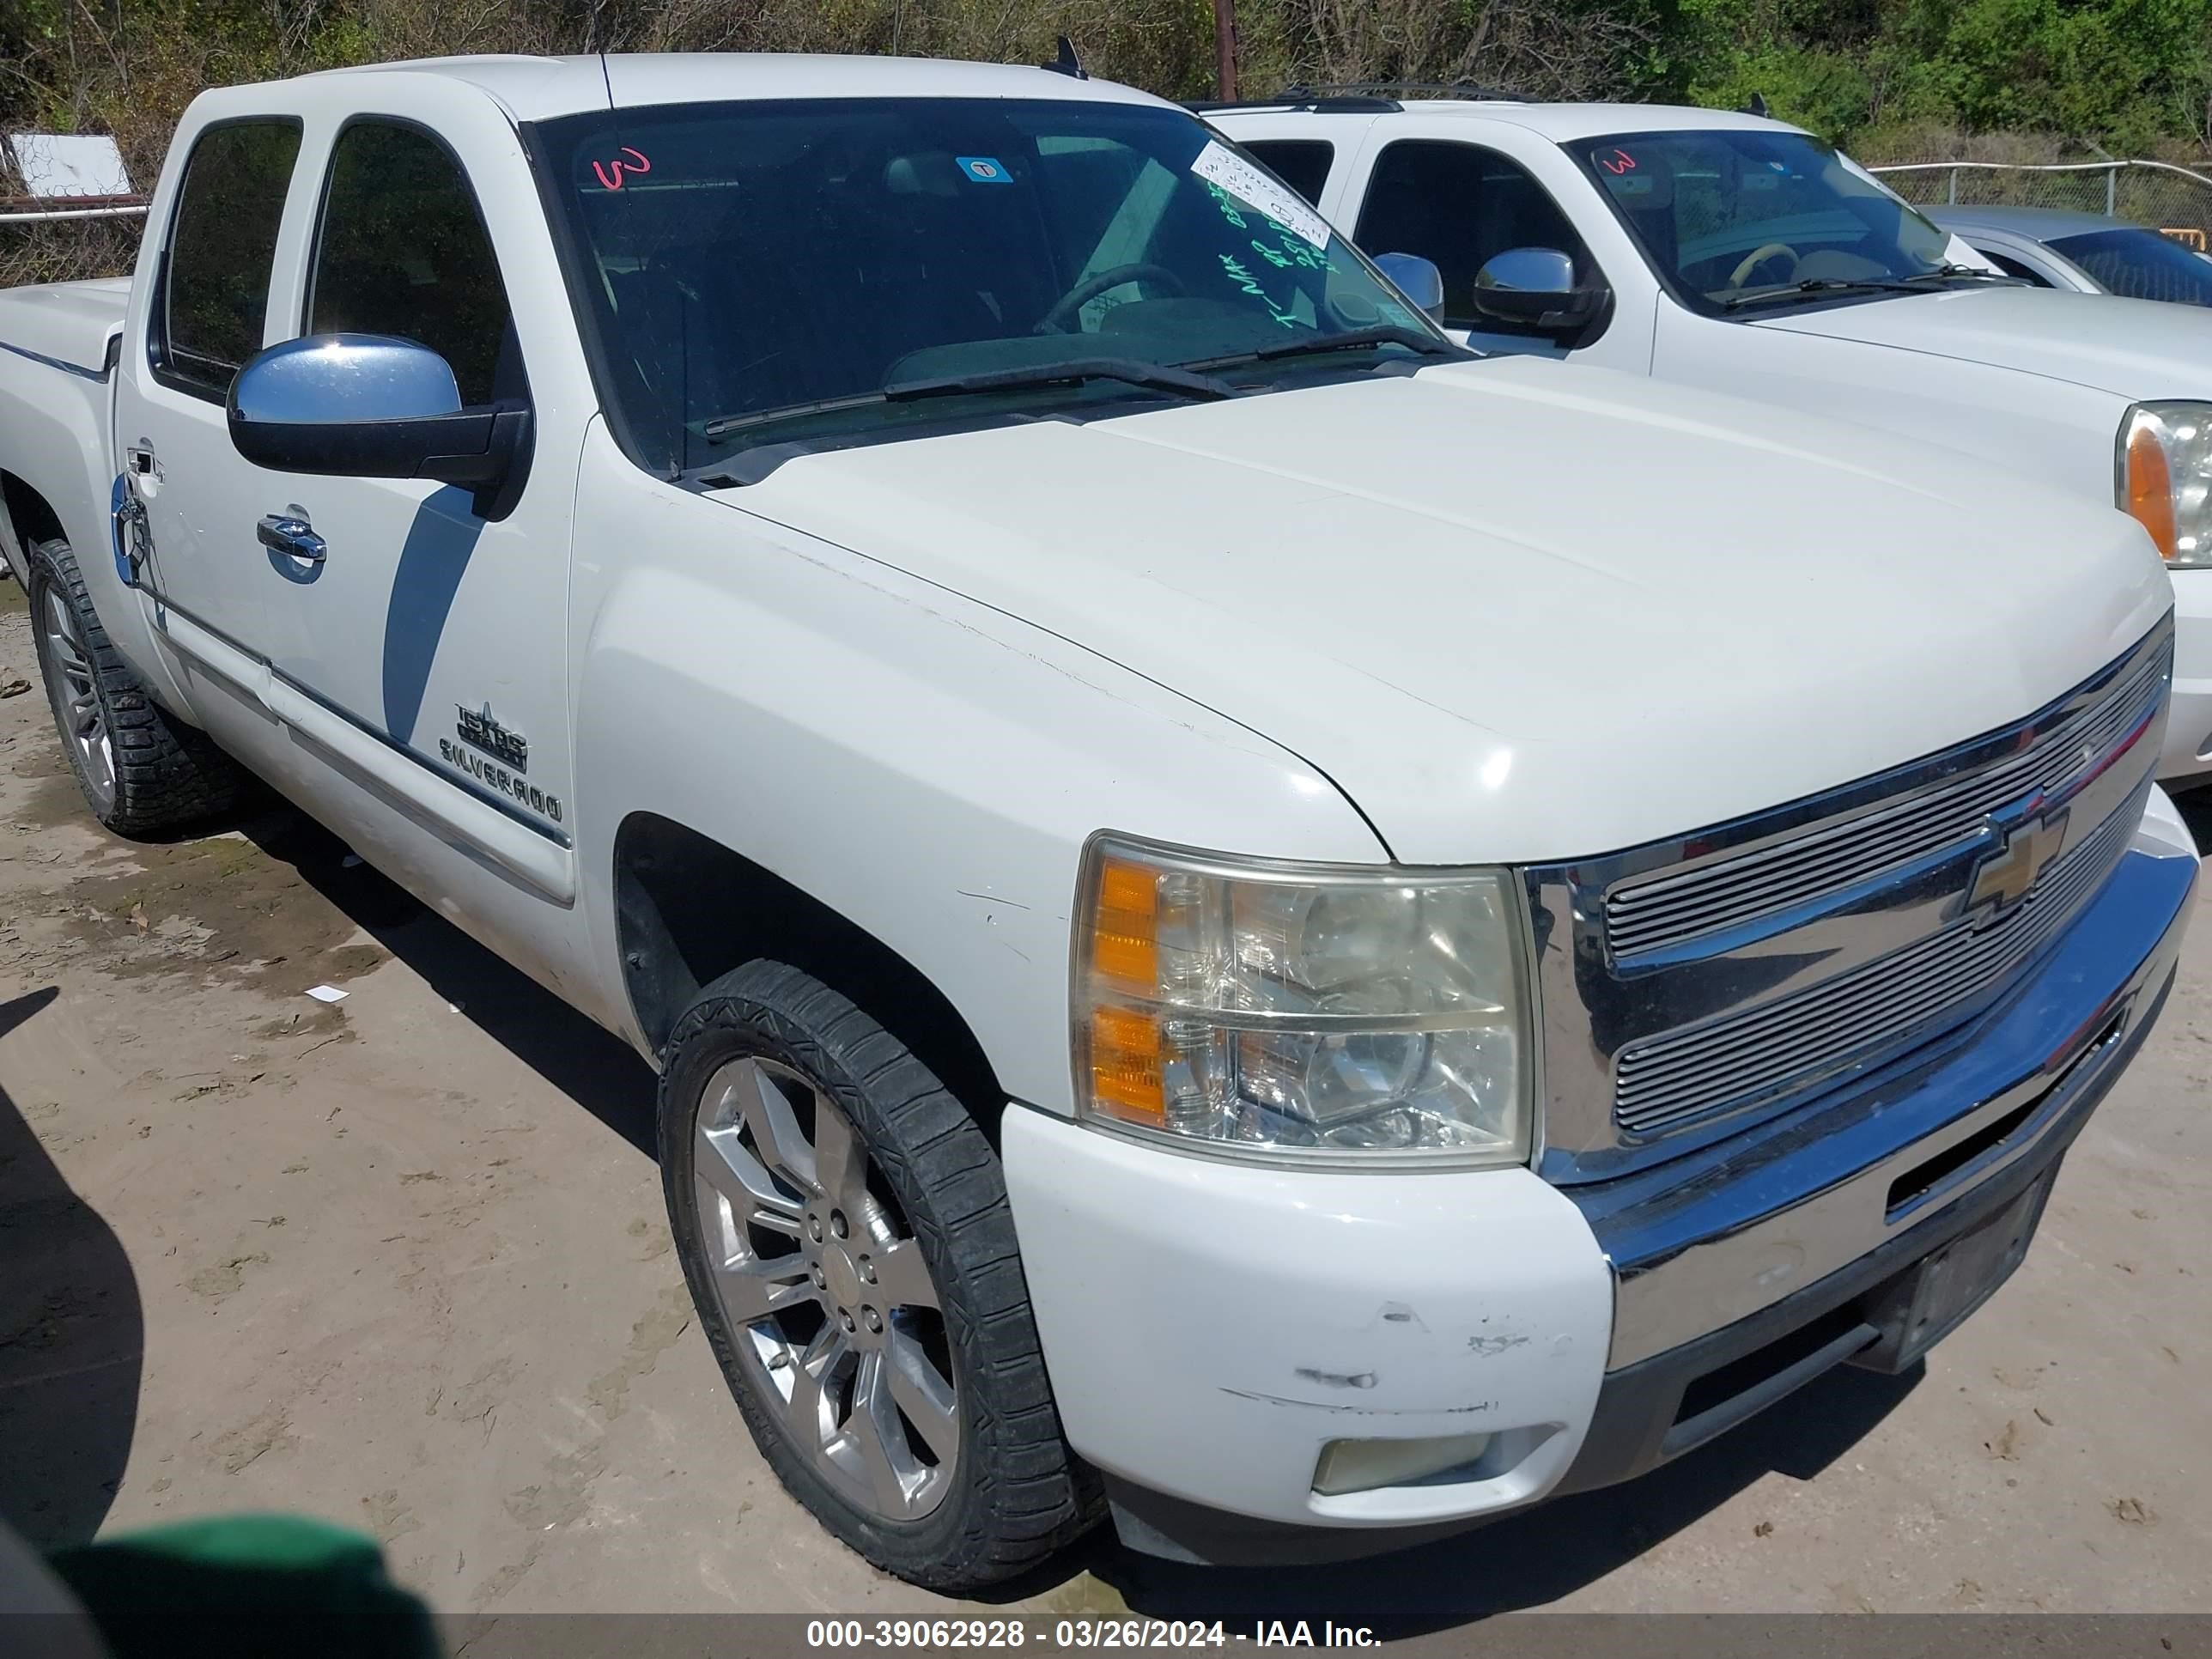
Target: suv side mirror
point(1416, 278)
point(1534, 286)
point(369, 406)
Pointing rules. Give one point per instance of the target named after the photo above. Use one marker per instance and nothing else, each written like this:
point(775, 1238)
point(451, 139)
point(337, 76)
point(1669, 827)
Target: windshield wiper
point(1816, 285)
point(1132, 370)
point(1965, 273)
point(1413, 339)
point(1819, 285)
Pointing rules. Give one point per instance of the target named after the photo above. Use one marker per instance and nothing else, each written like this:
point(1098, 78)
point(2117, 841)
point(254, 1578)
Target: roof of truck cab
point(1561, 122)
point(540, 89)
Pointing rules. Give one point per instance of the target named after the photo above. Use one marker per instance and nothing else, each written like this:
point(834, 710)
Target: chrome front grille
point(1861, 1018)
point(1663, 912)
point(1691, 986)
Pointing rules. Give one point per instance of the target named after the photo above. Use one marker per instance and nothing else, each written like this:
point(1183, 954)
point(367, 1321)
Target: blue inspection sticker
point(983, 169)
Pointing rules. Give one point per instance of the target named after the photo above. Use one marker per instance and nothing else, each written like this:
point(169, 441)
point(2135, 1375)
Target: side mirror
point(368, 406)
point(1534, 286)
point(1416, 278)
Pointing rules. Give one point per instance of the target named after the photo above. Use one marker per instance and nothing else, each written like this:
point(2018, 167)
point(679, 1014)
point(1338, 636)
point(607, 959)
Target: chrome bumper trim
point(1704, 1240)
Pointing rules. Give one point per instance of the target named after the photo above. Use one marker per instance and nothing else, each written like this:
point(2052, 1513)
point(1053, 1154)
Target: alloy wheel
point(838, 1321)
point(77, 706)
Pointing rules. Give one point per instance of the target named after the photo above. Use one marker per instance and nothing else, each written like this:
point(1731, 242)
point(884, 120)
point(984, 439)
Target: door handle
point(290, 534)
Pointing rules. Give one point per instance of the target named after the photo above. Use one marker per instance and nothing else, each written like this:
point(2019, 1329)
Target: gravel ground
point(400, 1260)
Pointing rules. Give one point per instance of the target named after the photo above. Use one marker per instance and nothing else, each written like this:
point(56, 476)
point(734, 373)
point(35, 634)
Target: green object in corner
point(247, 1585)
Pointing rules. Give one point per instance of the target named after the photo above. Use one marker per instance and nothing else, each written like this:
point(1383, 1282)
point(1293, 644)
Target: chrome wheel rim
point(836, 1320)
point(77, 702)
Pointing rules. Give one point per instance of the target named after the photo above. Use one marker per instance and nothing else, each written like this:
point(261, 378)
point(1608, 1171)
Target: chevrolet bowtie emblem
point(2028, 838)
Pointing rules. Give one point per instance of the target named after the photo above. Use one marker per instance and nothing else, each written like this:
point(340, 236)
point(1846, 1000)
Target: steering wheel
point(1760, 255)
point(1063, 311)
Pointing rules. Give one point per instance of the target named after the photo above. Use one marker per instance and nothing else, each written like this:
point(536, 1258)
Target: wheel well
point(30, 518)
point(688, 909)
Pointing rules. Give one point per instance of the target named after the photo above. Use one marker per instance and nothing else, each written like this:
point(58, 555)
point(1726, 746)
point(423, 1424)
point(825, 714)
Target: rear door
point(208, 313)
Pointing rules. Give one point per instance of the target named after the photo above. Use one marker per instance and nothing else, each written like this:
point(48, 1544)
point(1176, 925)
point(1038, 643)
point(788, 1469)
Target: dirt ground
point(400, 1260)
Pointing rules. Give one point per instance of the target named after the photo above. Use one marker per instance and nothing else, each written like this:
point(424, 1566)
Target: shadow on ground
point(72, 1336)
point(1523, 1561)
point(591, 1066)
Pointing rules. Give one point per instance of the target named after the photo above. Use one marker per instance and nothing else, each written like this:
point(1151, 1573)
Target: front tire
point(141, 772)
point(843, 1224)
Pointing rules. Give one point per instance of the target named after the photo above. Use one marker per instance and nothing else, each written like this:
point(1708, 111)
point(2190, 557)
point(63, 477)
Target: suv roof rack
point(1420, 89)
point(1298, 97)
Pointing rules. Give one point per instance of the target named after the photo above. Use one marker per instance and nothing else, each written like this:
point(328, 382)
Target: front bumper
point(2185, 758)
point(1209, 1326)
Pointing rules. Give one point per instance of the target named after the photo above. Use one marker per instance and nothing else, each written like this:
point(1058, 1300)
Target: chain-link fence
point(2174, 199)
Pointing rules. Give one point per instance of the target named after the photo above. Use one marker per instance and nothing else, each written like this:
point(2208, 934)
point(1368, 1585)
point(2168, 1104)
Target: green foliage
point(2126, 74)
point(1883, 76)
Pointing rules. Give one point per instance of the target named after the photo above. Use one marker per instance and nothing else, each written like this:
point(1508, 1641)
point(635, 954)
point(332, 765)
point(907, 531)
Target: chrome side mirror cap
point(342, 380)
point(371, 406)
point(1416, 278)
point(1535, 287)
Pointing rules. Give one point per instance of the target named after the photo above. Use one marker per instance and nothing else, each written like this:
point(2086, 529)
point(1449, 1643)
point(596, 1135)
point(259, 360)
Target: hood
point(1518, 611)
point(2135, 349)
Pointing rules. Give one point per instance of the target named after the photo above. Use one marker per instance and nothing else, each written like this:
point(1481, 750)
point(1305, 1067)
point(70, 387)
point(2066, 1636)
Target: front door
point(435, 635)
point(1458, 205)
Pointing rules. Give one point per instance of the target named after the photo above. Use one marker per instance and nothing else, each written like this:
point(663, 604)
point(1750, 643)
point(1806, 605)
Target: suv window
point(402, 250)
point(2012, 267)
point(215, 291)
point(1460, 205)
point(1301, 163)
point(2142, 263)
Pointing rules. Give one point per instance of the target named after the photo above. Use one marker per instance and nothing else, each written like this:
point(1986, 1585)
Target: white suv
point(1729, 251)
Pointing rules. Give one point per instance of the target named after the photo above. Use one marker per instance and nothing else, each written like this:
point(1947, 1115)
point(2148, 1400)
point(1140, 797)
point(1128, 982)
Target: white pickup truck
point(1739, 254)
point(1242, 917)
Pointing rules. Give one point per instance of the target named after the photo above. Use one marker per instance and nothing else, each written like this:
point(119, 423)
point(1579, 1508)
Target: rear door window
point(214, 295)
point(1301, 163)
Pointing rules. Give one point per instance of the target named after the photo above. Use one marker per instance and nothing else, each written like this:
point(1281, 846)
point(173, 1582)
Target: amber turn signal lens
point(2150, 489)
point(1125, 935)
point(1125, 1064)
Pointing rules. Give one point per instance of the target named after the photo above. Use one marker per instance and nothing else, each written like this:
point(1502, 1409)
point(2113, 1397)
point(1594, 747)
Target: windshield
point(764, 272)
point(2141, 264)
point(1724, 214)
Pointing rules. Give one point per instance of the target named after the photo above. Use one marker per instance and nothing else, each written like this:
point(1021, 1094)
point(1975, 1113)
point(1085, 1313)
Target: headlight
point(2166, 478)
point(1319, 1013)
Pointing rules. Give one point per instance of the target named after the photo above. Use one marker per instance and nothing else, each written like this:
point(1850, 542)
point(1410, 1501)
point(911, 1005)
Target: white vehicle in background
point(959, 617)
point(1742, 255)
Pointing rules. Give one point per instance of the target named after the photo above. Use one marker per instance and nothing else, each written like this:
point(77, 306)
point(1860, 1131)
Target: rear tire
point(843, 1224)
point(141, 772)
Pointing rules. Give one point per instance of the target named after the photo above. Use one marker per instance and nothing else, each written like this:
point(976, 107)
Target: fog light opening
point(1353, 1466)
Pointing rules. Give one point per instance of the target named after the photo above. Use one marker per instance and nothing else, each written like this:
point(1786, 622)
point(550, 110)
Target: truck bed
point(68, 324)
point(55, 400)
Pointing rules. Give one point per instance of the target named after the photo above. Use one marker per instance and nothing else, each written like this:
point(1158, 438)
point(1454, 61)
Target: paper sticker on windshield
point(1250, 185)
point(983, 169)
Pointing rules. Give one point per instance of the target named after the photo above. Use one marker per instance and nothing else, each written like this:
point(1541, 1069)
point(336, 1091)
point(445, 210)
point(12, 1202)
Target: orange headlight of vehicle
point(1330, 1013)
point(2164, 474)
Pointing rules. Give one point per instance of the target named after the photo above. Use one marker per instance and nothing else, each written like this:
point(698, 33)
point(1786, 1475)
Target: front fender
point(926, 767)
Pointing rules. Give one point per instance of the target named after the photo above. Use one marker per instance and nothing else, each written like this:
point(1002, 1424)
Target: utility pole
point(1224, 49)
